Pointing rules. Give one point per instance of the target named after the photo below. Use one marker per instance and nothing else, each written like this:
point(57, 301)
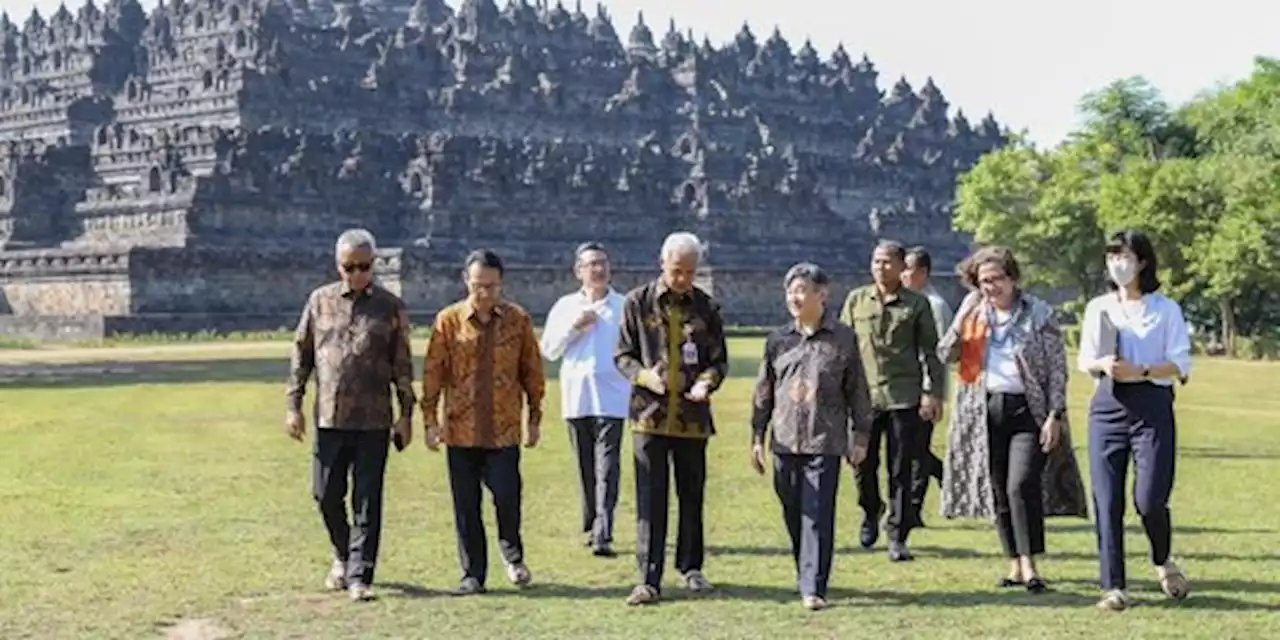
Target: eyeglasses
point(357, 267)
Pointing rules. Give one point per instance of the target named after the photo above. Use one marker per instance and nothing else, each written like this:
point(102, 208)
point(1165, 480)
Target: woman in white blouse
point(1135, 342)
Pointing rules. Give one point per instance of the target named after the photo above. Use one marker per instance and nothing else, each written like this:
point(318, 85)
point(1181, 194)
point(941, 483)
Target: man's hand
point(651, 379)
point(1050, 434)
point(757, 457)
point(930, 408)
point(700, 392)
point(295, 424)
point(858, 448)
point(533, 432)
point(586, 319)
point(404, 429)
point(432, 437)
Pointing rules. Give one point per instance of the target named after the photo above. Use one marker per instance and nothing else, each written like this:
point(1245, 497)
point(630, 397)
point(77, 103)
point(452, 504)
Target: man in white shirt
point(582, 330)
point(916, 277)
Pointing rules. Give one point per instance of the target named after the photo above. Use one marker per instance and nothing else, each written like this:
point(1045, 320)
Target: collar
point(609, 293)
point(828, 324)
point(664, 290)
point(469, 310)
point(346, 291)
point(887, 298)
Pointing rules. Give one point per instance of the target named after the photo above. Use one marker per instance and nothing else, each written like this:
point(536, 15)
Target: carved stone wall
point(193, 164)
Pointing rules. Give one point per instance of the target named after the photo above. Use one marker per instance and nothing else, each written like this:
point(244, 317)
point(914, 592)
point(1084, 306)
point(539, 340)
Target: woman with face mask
point(1135, 342)
point(1009, 456)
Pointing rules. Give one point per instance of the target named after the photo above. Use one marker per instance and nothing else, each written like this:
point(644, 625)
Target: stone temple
point(188, 168)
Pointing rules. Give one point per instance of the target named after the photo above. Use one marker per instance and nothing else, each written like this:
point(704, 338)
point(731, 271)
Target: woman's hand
point(1050, 434)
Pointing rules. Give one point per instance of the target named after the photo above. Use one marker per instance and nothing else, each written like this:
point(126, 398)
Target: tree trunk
point(1227, 313)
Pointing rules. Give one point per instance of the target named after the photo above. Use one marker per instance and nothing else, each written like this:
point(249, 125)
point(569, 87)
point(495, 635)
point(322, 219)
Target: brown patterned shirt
point(683, 337)
point(812, 390)
point(356, 343)
point(485, 373)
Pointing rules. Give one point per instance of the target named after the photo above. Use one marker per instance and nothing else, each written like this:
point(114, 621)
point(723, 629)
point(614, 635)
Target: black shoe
point(469, 587)
point(604, 550)
point(1036, 585)
point(1009, 583)
point(899, 553)
point(870, 531)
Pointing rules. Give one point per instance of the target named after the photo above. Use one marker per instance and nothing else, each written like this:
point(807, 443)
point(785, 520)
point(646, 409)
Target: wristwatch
point(1146, 372)
point(1058, 414)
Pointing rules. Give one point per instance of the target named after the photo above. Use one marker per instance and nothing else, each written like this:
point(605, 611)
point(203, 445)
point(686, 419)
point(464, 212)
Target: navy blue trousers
point(806, 486)
point(1131, 421)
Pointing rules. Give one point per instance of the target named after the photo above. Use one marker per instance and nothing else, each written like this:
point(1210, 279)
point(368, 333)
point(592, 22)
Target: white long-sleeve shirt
point(1149, 334)
point(590, 384)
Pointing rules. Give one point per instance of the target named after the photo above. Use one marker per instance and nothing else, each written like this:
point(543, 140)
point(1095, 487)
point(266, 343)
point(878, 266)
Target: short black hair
point(921, 257)
point(589, 246)
point(894, 248)
point(807, 271)
point(486, 258)
point(1137, 242)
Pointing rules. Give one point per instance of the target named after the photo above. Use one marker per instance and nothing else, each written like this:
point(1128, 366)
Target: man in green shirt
point(897, 340)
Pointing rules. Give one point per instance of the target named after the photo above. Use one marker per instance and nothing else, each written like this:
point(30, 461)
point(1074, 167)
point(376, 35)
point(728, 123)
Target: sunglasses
point(357, 267)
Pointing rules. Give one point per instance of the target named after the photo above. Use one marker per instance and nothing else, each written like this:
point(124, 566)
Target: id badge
point(689, 352)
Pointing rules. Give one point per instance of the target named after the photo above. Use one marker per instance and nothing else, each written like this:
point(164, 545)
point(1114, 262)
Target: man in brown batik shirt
point(354, 337)
point(484, 365)
point(671, 346)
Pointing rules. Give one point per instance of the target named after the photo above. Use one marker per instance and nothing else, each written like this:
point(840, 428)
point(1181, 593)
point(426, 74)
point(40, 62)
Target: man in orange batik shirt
point(483, 364)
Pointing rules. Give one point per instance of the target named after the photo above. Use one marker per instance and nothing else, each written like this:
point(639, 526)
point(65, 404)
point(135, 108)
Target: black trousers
point(806, 486)
point(470, 469)
point(656, 458)
point(359, 458)
point(598, 443)
point(1017, 463)
point(1131, 420)
point(906, 443)
point(927, 467)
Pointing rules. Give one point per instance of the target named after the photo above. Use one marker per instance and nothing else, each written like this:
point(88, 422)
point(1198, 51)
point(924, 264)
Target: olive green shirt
point(898, 341)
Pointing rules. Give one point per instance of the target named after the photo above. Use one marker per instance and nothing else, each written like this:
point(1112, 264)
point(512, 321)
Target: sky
point(1027, 61)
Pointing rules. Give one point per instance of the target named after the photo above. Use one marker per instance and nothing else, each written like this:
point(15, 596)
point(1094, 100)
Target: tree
point(1202, 180)
point(1038, 204)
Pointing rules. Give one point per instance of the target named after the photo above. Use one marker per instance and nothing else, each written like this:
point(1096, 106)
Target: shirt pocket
point(899, 325)
point(371, 335)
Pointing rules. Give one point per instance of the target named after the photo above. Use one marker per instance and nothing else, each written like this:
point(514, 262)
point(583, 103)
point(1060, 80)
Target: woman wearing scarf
point(1009, 454)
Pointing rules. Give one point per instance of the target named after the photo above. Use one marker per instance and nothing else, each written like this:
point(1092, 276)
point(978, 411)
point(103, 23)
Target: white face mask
point(1122, 271)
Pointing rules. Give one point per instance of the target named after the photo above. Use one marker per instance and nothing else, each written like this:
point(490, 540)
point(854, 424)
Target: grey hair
point(681, 244)
point(355, 239)
point(809, 272)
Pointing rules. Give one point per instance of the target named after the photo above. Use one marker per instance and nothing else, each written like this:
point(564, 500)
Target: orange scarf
point(973, 346)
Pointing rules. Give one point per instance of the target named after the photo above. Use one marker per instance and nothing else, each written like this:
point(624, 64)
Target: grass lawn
point(156, 488)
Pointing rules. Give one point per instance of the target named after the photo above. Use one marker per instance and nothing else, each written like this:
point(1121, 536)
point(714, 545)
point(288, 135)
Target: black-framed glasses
point(357, 267)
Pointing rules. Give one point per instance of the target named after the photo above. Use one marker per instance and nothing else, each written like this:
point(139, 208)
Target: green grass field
point(153, 492)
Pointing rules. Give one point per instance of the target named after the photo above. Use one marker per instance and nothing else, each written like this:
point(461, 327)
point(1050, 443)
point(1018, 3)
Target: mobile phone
point(398, 441)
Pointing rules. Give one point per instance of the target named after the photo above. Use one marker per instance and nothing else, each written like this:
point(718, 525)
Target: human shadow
point(921, 551)
point(955, 553)
point(1088, 527)
point(411, 591)
point(1217, 453)
point(1198, 585)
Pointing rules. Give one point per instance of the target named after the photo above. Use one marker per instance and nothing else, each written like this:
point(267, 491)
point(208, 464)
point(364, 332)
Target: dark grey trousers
point(806, 486)
point(598, 444)
point(361, 456)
